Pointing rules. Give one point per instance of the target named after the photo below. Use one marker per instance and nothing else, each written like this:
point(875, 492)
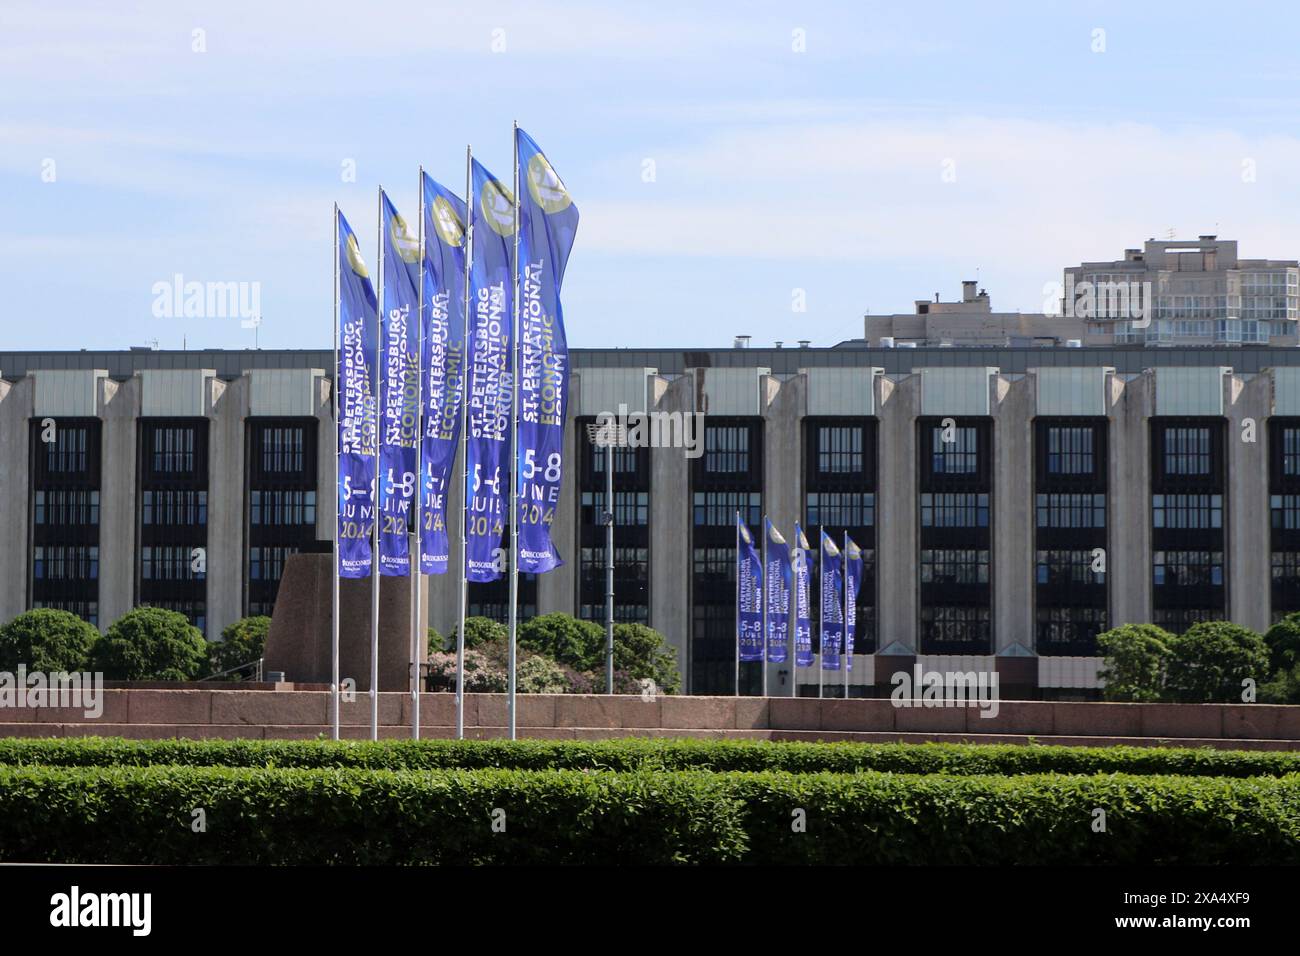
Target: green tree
point(480, 631)
point(1283, 640)
point(564, 638)
point(437, 644)
point(241, 643)
point(1208, 663)
point(46, 640)
point(642, 652)
point(150, 643)
point(1136, 658)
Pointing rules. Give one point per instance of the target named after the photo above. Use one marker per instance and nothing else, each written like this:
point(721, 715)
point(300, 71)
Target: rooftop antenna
point(255, 323)
point(1170, 233)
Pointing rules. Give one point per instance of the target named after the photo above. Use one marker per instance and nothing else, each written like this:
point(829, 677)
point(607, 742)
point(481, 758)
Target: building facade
point(1011, 503)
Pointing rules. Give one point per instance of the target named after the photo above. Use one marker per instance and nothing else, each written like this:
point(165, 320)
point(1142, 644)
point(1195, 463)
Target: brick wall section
point(259, 714)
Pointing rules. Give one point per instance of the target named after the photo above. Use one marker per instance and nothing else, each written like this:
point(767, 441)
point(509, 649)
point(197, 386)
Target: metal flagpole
point(821, 611)
point(792, 624)
point(514, 448)
point(609, 566)
point(464, 449)
point(763, 659)
point(417, 603)
point(379, 485)
point(334, 596)
point(736, 561)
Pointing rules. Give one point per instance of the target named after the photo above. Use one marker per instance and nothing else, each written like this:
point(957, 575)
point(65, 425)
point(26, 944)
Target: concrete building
point(969, 321)
point(1169, 292)
point(1012, 502)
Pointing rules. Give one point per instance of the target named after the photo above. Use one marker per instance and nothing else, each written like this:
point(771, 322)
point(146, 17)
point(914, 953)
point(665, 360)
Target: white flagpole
point(334, 595)
point(765, 598)
point(379, 486)
point(821, 611)
point(736, 560)
point(464, 449)
point(514, 449)
point(417, 602)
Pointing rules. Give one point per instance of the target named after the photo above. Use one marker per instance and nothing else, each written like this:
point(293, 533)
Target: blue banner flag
point(548, 220)
point(749, 595)
point(832, 607)
point(490, 367)
point(776, 593)
point(852, 584)
point(399, 371)
point(357, 407)
point(802, 562)
point(443, 362)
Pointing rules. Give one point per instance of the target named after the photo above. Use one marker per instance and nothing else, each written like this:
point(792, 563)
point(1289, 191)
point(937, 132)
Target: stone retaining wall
point(303, 714)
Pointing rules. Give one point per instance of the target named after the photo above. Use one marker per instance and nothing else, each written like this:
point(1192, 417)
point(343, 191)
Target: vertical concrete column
point(1130, 404)
point(899, 404)
point(670, 529)
point(784, 408)
point(17, 402)
point(226, 404)
point(1247, 512)
point(1013, 407)
point(118, 405)
point(558, 590)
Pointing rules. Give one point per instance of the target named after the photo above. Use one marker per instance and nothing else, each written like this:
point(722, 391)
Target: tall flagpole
point(514, 447)
point(765, 598)
point(821, 610)
point(466, 367)
point(334, 595)
point(417, 602)
point(736, 561)
point(794, 627)
point(379, 486)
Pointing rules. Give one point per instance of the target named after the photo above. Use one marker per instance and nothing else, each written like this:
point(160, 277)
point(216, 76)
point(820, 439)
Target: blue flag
point(399, 372)
point(749, 595)
point(832, 607)
point(548, 220)
point(490, 368)
point(355, 382)
point(852, 584)
point(776, 593)
point(803, 570)
point(443, 361)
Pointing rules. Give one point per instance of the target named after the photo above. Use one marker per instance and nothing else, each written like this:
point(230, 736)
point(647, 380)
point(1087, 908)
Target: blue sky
point(774, 170)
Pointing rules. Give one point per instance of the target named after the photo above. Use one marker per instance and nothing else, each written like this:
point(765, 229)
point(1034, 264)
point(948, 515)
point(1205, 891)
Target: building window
point(1284, 515)
point(840, 498)
point(955, 520)
point(1187, 505)
point(282, 503)
point(173, 516)
point(65, 503)
point(727, 479)
point(1070, 535)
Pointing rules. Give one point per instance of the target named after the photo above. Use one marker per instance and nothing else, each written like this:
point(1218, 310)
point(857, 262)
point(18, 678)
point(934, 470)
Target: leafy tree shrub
point(150, 643)
point(241, 643)
point(479, 631)
point(1136, 658)
point(566, 639)
point(482, 674)
point(1283, 688)
point(1283, 640)
point(1208, 662)
point(46, 640)
point(437, 643)
point(538, 674)
point(643, 652)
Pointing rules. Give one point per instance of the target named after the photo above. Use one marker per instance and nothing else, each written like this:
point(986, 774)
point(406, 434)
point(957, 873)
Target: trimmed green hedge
point(288, 816)
point(652, 754)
